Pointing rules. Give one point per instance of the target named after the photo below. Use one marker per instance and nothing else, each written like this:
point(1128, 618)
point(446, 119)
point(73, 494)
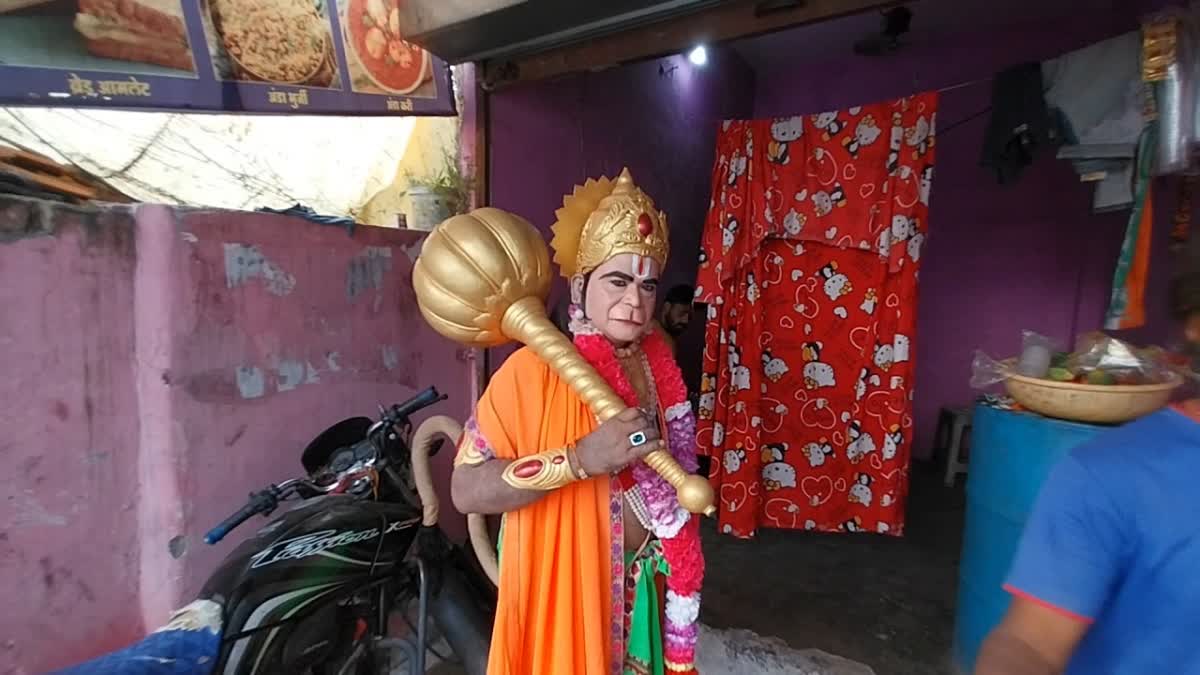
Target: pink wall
point(160, 365)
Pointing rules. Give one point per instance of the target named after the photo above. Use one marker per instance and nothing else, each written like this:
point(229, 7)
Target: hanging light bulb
point(698, 56)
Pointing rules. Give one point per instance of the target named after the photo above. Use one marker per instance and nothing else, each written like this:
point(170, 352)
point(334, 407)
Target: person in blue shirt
point(1106, 580)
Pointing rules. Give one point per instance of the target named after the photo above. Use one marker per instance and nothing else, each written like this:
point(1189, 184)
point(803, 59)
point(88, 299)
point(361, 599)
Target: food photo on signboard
point(145, 37)
point(279, 42)
point(378, 57)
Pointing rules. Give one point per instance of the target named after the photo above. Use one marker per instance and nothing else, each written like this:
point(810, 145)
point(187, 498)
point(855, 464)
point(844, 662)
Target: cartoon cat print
point(793, 223)
point(926, 184)
point(737, 168)
point(729, 234)
point(817, 452)
point(895, 143)
point(861, 443)
point(822, 203)
point(784, 130)
point(708, 399)
point(733, 460)
point(902, 228)
point(816, 374)
point(860, 491)
point(900, 348)
point(884, 356)
point(892, 440)
point(776, 473)
point(915, 243)
point(920, 136)
point(836, 284)
point(739, 372)
point(870, 299)
point(774, 368)
point(865, 133)
point(829, 123)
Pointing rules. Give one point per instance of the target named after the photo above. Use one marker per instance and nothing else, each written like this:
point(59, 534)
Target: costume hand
point(608, 449)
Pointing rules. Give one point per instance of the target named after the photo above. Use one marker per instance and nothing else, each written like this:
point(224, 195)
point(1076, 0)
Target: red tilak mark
point(528, 469)
point(645, 225)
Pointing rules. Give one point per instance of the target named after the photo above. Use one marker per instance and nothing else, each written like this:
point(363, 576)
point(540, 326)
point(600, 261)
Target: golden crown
point(603, 218)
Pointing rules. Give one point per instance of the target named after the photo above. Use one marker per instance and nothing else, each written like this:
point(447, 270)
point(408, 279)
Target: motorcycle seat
point(188, 645)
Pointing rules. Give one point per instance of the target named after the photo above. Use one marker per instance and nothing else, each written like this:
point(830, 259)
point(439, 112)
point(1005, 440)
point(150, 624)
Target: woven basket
point(1096, 403)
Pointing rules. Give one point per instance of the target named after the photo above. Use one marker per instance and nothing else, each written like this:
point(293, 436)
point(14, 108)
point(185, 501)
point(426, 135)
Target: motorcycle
point(314, 591)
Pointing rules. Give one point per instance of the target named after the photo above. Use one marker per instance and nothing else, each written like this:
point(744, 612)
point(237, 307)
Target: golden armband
point(469, 455)
point(473, 448)
point(548, 470)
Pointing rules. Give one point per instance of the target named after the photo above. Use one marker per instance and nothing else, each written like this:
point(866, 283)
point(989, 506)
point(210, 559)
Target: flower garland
point(672, 524)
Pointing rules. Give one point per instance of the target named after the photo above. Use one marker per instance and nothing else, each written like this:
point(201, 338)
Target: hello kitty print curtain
point(809, 268)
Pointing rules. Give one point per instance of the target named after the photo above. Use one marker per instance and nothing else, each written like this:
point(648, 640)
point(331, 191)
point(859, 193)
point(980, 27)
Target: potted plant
point(436, 197)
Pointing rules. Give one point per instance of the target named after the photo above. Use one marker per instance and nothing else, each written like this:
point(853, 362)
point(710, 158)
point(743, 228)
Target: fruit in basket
point(1060, 374)
point(1101, 377)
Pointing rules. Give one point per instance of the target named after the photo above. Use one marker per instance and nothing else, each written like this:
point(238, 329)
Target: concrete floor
point(884, 602)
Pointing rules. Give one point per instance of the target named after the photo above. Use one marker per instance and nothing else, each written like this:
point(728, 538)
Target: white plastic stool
point(953, 423)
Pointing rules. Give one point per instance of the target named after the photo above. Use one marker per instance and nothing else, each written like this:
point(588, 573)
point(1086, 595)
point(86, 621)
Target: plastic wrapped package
point(1101, 359)
point(986, 371)
point(1171, 60)
point(1038, 354)
point(1097, 359)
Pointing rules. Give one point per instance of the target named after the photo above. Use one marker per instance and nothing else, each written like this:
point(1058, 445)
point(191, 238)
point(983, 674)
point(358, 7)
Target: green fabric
point(1118, 302)
point(644, 646)
point(500, 537)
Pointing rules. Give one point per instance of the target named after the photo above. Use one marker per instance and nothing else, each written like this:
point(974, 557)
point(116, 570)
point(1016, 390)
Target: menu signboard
point(345, 57)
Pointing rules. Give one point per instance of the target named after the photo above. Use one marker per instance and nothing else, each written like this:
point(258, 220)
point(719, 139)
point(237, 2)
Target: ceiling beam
point(727, 21)
point(425, 17)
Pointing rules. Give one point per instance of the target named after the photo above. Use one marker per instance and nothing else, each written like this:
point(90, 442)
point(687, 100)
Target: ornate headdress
point(603, 218)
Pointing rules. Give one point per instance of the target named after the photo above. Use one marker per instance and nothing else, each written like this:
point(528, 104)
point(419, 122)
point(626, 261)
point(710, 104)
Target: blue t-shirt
point(1114, 539)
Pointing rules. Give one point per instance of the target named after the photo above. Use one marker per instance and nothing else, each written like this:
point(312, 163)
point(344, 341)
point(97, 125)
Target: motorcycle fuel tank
point(292, 571)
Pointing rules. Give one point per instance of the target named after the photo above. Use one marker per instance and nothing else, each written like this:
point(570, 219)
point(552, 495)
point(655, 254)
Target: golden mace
point(482, 279)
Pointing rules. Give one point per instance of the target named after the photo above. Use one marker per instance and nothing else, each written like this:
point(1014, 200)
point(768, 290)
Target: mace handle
point(526, 320)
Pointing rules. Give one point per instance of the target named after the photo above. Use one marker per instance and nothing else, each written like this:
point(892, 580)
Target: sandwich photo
point(7, 6)
point(146, 31)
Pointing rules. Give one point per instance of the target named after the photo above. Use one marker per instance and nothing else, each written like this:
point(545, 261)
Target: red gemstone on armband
point(528, 469)
point(645, 225)
point(558, 460)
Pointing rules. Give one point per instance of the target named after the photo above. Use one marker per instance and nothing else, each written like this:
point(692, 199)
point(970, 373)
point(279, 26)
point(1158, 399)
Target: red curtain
point(809, 268)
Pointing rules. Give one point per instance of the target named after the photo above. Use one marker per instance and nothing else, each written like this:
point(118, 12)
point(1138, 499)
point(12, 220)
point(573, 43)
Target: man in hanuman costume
point(600, 567)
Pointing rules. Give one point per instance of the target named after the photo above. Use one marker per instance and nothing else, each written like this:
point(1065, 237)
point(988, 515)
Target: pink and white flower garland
point(678, 531)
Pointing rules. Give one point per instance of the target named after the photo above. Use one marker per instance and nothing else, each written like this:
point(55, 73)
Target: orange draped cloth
point(554, 613)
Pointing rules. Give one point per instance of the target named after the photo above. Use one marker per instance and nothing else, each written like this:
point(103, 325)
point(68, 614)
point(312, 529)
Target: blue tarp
point(170, 652)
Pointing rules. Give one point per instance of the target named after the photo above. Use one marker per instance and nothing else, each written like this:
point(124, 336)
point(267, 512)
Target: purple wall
point(999, 258)
point(658, 117)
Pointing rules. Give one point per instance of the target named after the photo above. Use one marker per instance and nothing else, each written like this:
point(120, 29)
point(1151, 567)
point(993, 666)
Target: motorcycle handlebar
point(422, 400)
point(266, 501)
point(260, 502)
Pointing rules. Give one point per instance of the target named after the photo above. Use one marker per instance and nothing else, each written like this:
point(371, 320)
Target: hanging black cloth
point(1021, 123)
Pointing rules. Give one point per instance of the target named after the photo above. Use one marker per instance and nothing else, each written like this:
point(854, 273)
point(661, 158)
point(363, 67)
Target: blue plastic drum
point(1011, 455)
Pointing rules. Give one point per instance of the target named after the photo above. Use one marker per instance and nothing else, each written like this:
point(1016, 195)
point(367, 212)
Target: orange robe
point(554, 614)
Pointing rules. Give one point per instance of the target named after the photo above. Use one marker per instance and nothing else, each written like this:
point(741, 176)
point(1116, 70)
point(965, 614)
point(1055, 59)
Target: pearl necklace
point(637, 502)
